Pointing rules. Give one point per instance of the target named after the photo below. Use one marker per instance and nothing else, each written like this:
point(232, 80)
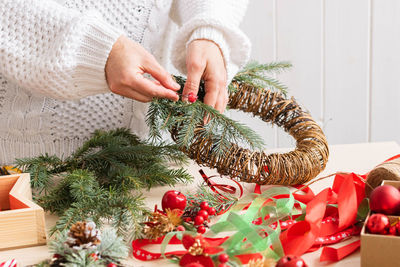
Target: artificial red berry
point(393, 230)
point(180, 228)
point(188, 219)
point(198, 220)
point(211, 211)
point(203, 214)
point(111, 264)
point(57, 256)
point(223, 258)
point(173, 200)
point(201, 229)
point(94, 256)
point(222, 265)
point(204, 205)
point(192, 97)
point(378, 224)
point(291, 261)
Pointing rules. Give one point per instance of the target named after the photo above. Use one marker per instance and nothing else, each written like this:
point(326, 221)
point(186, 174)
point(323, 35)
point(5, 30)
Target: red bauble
point(201, 229)
point(397, 228)
point(291, 261)
point(385, 199)
point(378, 224)
point(204, 205)
point(111, 265)
point(198, 220)
point(203, 213)
point(211, 211)
point(173, 200)
point(192, 97)
point(223, 258)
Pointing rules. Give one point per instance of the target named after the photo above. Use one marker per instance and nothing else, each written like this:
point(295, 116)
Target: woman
point(71, 67)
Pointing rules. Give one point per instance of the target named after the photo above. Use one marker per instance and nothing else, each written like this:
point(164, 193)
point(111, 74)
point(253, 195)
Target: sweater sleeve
point(215, 20)
point(54, 51)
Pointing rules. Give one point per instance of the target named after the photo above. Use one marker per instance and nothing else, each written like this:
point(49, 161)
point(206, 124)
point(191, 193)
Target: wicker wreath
point(302, 164)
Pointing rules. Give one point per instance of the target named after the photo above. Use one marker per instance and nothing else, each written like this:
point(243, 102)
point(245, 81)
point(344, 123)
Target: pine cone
point(83, 235)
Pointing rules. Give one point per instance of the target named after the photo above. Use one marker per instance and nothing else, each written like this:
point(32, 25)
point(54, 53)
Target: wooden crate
point(21, 220)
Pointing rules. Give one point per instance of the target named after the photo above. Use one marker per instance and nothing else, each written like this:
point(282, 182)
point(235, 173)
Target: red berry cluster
point(380, 224)
point(223, 258)
point(202, 216)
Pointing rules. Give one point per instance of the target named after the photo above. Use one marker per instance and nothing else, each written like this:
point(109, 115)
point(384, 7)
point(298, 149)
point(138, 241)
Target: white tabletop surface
point(358, 158)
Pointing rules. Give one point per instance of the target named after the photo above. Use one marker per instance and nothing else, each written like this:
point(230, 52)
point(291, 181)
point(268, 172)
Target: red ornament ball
point(111, 264)
point(211, 211)
point(378, 224)
point(198, 220)
point(204, 205)
point(173, 200)
point(201, 229)
point(385, 199)
point(398, 228)
point(223, 258)
point(291, 261)
point(192, 97)
point(203, 213)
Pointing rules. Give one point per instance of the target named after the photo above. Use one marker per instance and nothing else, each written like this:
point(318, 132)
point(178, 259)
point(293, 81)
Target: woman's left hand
point(204, 61)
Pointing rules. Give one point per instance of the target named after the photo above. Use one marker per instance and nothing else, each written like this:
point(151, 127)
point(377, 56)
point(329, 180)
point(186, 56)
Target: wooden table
point(358, 158)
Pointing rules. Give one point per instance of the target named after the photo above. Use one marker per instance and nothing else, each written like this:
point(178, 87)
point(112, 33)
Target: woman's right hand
point(127, 63)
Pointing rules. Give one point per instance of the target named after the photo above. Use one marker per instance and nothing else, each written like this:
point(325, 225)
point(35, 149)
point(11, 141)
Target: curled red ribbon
point(222, 187)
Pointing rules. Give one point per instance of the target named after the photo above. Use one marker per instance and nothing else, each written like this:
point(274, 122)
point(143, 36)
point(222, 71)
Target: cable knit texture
point(53, 92)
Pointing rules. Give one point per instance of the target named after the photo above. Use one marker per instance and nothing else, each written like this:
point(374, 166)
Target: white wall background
point(346, 57)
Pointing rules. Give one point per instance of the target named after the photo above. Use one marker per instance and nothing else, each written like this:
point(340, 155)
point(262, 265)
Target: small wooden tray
point(21, 220)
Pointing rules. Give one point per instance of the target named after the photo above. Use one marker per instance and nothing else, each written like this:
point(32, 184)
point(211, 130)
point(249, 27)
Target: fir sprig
point(259, 75)
point(102, 180)
point(188, 119)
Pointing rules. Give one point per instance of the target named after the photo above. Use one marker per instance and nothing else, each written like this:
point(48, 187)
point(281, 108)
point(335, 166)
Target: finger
point(221, 101)
point(212, 91)
point(128, 92)
point(152, 67)
point(195, 72)
point(151, 89)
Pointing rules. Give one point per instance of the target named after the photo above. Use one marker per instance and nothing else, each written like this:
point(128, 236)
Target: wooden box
point(380, 250)
point(21, 220)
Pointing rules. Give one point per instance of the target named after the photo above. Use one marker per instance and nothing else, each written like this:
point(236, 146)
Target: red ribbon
point(222, 187)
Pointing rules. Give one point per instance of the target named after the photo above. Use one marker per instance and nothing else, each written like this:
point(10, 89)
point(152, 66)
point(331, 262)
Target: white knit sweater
point(53, 92)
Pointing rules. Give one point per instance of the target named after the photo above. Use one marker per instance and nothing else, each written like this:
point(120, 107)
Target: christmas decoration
point(385, 199)
point(159, 223)
point(192, 97)
point(388, 170)
point(262, 262)
point(84, 245)
point(215, 144)
point(102, 179)
point(378, 224)
point(9, 263)
point(173, 200)
point(277, 222)
point(291, 261)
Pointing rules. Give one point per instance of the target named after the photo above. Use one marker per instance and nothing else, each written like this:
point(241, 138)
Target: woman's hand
point(205, 61)
point(127, 63)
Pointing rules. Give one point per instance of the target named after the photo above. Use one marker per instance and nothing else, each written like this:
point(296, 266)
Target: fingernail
point(175, 84)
